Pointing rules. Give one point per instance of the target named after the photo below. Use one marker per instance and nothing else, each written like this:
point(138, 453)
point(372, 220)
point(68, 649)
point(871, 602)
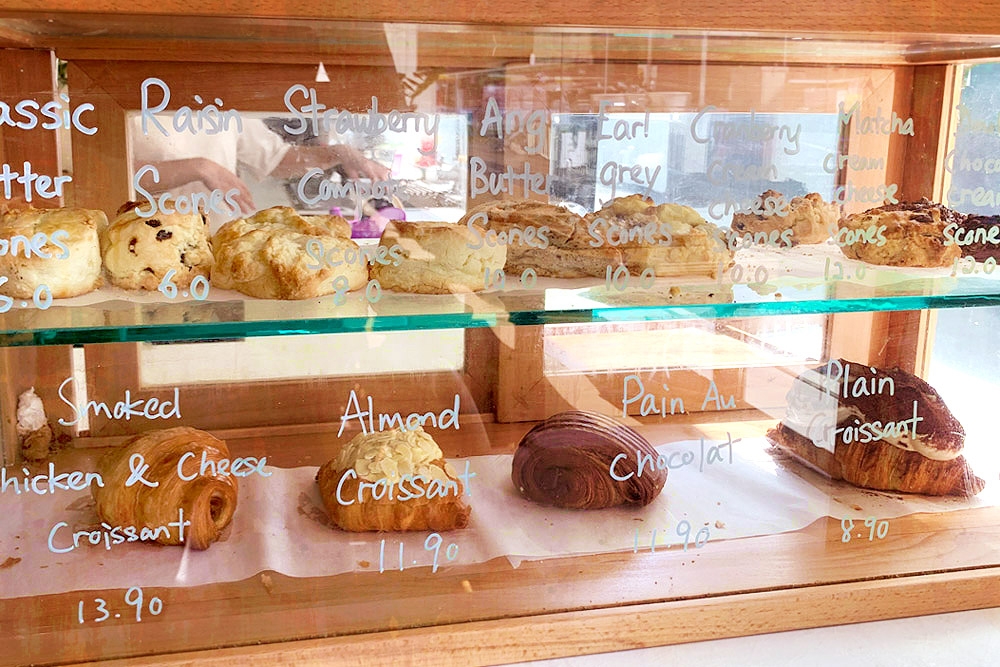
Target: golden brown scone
point(438, 257)
point(392, 480)
point(278, 254)
point(549, 239)
point(139, 252)
point(567, 461)
point(208, 501)
point(904, 234)
point(869, 437)
point(59, 248)
point(809, 219)
point(563, 262)
point(671, 239)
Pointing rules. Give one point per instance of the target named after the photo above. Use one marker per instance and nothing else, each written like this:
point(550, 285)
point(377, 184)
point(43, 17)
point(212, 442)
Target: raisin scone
point(140, 251)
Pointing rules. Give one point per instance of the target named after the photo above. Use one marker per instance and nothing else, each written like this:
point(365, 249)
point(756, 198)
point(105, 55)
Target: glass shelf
point(802, 280)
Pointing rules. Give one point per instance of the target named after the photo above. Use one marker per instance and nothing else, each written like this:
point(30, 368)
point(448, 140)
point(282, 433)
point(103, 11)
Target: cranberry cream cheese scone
point(59, 248)
point(393, 480)
point(139, 251)
point(671, 239)
point(876, 428)
point(437, 257)
point(279, 254)
point(904, 234)
point(807, 219)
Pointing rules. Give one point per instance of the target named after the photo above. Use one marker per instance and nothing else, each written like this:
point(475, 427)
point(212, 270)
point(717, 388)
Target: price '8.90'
point(877, 529)
point(42, 298)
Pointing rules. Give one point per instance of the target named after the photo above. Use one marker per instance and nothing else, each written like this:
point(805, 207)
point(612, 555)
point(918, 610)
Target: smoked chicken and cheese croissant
point(586, 460)
point(194, 492)
point(393, 480)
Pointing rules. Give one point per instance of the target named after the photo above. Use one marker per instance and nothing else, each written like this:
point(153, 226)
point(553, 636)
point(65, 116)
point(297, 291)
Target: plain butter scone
point(139, 252)
point(438, 258)
point(279, 254)
point(58, 248)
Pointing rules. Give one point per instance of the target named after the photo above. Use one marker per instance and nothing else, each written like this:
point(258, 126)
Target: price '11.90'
point(100, 610)
point(432, 544)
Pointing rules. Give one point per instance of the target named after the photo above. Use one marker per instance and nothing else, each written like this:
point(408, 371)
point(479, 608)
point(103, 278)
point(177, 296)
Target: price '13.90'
point(98, 611)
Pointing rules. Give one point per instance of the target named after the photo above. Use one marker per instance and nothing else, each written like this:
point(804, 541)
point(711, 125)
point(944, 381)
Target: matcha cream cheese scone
point(393, 480)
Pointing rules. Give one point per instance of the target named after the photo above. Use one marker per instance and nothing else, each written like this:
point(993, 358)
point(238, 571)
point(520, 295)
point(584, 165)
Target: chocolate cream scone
point(981, 237)
point(903, 234)
point(876, 428)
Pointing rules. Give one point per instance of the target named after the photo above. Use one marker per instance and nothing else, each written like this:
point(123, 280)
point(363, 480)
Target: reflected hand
point(356, 165)
point(217, 177)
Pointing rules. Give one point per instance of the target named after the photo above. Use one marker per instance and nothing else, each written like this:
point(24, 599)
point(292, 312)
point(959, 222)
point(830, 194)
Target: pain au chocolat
point(876, 428)
point(586, 460)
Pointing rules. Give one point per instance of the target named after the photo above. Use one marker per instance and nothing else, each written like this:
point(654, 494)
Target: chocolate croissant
point(207, 501)
point(393, 480)
point(585, 460)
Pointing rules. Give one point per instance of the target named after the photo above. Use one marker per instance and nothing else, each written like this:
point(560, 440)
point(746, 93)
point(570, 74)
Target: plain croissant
point(208, 501)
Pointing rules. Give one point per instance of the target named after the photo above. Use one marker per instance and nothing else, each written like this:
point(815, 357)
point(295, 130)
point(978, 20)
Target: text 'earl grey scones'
point(567, 460)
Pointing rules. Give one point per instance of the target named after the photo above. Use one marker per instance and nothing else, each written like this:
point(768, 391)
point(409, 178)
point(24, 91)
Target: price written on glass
point(876, 529)
point(98, 610)
point(497, 279)
point(373, 291)
point(966, 266)
point(199, 287)
point(432, 545)
point(834, 271)
point(683, 531)
point(620, 279)
point(42, 298)
point(738, 274)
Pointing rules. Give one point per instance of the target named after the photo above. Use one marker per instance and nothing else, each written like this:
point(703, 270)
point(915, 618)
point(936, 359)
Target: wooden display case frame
point(945, 557)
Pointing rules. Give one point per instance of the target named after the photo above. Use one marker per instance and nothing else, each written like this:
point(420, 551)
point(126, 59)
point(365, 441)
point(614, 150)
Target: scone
point(671, 239)
point(904, 234)
point(808, 218)
point(279, 254)
point(876, 428)
point(549, 239)
point(438, 257)
point(586, 460)
point(59, 248)
point(139, 252)
point(393, 480)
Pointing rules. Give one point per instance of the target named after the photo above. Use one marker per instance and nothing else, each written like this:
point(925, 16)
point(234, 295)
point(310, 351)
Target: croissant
point(567, 461)
point(393, 480)
point(882, 429)
point(208, 501)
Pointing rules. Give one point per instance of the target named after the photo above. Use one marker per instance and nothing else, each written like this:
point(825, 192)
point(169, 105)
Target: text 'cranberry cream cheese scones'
point(876, 428)
point(139, 251)
point(806, 219)
point(59, 248)
point(437, 257)
point(277, 254)
point(396, 479)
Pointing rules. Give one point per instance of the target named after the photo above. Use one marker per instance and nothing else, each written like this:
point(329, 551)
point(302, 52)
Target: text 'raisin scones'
point(876, 428)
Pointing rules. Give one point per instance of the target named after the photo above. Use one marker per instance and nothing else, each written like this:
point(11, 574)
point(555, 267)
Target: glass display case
point(491, 338)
